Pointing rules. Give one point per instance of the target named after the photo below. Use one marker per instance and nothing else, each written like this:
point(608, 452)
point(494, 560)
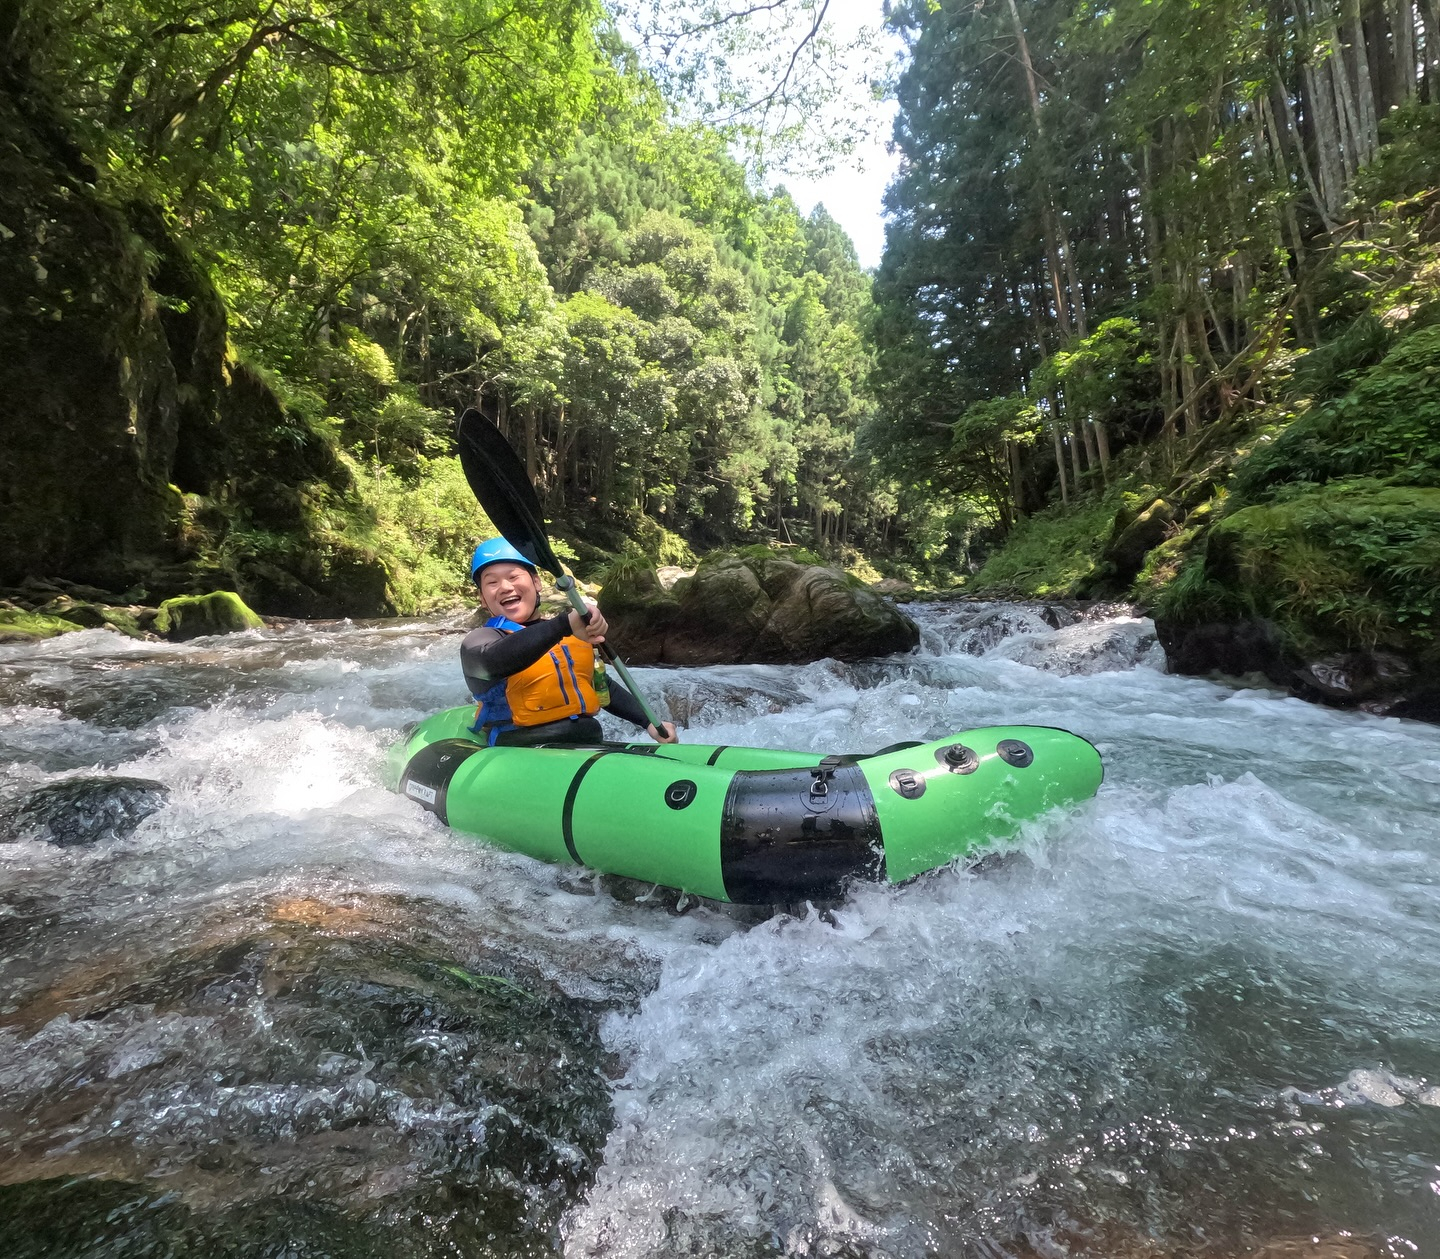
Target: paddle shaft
point(566, 583)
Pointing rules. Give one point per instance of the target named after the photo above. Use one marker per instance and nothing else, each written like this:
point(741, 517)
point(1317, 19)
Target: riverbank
point(1300, 541)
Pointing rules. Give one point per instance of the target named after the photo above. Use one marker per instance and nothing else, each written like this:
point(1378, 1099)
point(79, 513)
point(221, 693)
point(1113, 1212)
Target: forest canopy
point(1129, 218)
point(411, 206)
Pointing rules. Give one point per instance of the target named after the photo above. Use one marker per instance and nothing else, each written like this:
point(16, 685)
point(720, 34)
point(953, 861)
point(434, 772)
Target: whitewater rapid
point(1198, 1014)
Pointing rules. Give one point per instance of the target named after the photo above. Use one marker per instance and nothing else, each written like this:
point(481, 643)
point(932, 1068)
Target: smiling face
point(509, 590)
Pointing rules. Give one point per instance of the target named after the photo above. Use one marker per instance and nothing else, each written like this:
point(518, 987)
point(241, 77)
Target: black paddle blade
point(497, 479)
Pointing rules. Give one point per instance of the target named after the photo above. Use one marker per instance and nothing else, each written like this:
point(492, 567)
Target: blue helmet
point(494, 551)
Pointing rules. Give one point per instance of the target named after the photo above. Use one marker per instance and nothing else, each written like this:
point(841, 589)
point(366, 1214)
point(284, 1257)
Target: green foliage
point(1387, 426)
point(424, 530)
point(1108, 376)
point(1050, 554)
point(1355, 560)
point(412, 206)
point(1333, 367)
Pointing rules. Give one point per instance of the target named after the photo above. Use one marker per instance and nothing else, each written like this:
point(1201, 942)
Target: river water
point(288, 1014)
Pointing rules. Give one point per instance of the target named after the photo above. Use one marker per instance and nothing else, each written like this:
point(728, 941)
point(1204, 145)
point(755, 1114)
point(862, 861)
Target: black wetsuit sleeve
point(626, 706)
point(486, 655)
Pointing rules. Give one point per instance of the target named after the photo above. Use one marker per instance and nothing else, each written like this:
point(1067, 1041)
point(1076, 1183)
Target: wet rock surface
point(1089, 647)
point(353, 1085)
point(1377, 681)
point(78, 812)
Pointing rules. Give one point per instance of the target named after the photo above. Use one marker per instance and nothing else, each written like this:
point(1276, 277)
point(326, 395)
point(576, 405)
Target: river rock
point(194, 616)
point(1127, 550)
point(19, 626)
point(78, 812)
point(751, 609)
point(893, 588)
point(996, 624)
point(1089, 647)
point(1380, 682)
point(1231, 648)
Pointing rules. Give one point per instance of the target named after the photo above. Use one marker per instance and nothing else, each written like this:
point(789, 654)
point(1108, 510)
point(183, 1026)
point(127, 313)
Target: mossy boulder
point(1332, 590)
point(750, 608)
point(20, 626)
point(195, 616)
point(131, 621)
point(1127, 550)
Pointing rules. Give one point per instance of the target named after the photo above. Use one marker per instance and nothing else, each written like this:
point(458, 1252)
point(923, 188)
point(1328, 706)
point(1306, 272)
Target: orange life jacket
point(561, 684)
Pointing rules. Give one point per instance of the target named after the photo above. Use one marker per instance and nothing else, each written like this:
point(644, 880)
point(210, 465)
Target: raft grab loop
point(820, 778)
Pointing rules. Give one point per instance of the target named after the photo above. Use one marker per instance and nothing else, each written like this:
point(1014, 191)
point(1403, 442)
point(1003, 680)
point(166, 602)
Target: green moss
point(1049, 554)
point(1387, 426)
point(424, 532)
point(1355, 563)
point(1162, 567)
point(33, 624)
point(126, 622)
point(658, 543)
point(192, 616)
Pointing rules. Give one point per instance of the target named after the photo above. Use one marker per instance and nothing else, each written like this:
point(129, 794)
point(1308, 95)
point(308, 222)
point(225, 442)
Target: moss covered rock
point(194, 616)
point(750, 607)
point(1332, 590)
point(20, 626)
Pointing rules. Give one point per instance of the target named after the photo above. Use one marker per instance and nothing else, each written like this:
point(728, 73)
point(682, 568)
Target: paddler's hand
point(592, 631)
point(665, 733)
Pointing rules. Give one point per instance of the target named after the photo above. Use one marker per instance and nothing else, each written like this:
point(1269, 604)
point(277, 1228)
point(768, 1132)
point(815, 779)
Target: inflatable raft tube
point(750, 825)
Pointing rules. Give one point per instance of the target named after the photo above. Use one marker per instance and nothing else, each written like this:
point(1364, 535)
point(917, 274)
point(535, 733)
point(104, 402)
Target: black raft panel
point(427, 777)
point(798, 834)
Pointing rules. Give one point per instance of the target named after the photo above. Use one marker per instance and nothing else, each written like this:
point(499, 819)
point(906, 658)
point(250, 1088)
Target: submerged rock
point(324, 1071)
point(193, 616)
point(753, 609)
point(78, 812)
point(1089, 647)
point(996, 624)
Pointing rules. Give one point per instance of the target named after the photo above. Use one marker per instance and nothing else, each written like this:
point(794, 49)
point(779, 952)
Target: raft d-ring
point(1015, 752)
point(908, 783)
point(679, 794)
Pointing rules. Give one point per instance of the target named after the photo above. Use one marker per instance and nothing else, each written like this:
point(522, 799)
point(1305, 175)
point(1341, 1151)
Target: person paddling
point(537, 680)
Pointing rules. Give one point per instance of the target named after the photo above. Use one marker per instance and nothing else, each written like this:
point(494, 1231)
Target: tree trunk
point(1324, 118)
point(1402, 28)
point(1351, 141)
point(532, 454)
point(1059, 449)
point(1057, 243)
point(1364, 85)
point(1187, 382)
point(1102, 441)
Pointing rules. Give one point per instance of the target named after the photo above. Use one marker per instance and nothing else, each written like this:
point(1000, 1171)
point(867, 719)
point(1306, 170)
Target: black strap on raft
point(427, 777)
point(799, 834)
